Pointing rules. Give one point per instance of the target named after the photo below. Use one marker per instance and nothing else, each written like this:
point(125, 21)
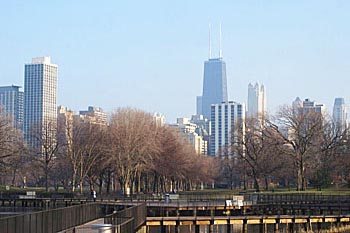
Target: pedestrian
point(93, 194)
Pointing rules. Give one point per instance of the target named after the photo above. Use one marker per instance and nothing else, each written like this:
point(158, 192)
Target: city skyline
point(306, 55)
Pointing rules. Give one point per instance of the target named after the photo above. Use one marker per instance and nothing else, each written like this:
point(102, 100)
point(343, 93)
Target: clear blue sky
point(150, 54)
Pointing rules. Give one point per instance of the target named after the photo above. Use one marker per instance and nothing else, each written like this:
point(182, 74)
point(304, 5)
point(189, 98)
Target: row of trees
point(134, 154)
point(296, 147)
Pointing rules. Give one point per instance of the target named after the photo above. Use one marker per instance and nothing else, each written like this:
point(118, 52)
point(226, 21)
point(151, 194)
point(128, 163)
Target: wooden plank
point(316, 220)
point(152, 223)
point(220, 222)
point(186, 223)
point(203, 222)
point(286, 220)
point(300, 220)
point(330, 219)
point(236, 221)
point(269, 220)
point(169, 223)
point(253, 221)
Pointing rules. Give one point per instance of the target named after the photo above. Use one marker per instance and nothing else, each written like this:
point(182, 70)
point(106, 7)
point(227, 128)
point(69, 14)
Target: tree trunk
point(108, 182)
point(256, 184)
point(81, 186)
point(46, 179)
point(266, 183)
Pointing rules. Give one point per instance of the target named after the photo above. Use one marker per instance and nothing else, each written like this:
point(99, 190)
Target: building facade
point(159, 119)
point(40, 108)
point(340, 113)
point(214, 85)
point(188, 130)
point(11, 103)
point(65, 123)
point(312, 106)
point(227, 121)
point(256, 101)
point(93, 115)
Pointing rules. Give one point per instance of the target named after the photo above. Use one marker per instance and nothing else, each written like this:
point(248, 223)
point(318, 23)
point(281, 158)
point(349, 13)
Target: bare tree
point(132, 144)
point(258, 148)
point(44, 147)
point(11, 141)
point(304, 130)
point(332, 146)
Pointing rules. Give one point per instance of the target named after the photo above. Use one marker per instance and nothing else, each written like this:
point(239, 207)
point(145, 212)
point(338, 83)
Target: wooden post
point(261, 225)
point(196, 228)
point(245, 226)
point(277, 226)
point(162, 227)
point(211, 226)
point(228, 226)
point(177, 226)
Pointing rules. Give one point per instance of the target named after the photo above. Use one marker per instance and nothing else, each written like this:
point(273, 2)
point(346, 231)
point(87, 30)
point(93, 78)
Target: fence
point(127, 220)
point(51, 220)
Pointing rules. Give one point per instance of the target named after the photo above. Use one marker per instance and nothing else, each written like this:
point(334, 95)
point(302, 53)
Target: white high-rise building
point(227, 121)
point(256, 101)
point(340, 114)
point(40, 108)
point(159, 119)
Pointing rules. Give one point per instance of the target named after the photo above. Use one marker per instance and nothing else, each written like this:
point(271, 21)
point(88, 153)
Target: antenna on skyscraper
point(220, 51)
point(209, 41)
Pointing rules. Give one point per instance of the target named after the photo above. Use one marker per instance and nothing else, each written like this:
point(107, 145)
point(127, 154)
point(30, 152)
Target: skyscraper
point(307, 106)
point(40, 110)
point(256, 101)
point(340, 114)
point(214, 83)
point(11, 102)
point(226, 121)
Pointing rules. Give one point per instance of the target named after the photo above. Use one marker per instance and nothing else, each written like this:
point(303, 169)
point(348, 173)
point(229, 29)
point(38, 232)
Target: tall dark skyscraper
point(214, 83)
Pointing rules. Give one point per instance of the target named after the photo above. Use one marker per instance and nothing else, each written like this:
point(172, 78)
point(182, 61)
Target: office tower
point(203, 125)
point(199, 105)
point(306, 106)
point(340, 114)
point(227, 122)
point(312, 106)
point(11, 103)
point(202, 129)
point(40, 110)
point(159, 119)
point(188, 130)
point(297, 104)
point(214, 83)
point(256, 101)
point(94, 115)
point(65, 121)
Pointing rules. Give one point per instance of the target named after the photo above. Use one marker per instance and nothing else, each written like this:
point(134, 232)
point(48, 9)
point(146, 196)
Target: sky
point(150, 54)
